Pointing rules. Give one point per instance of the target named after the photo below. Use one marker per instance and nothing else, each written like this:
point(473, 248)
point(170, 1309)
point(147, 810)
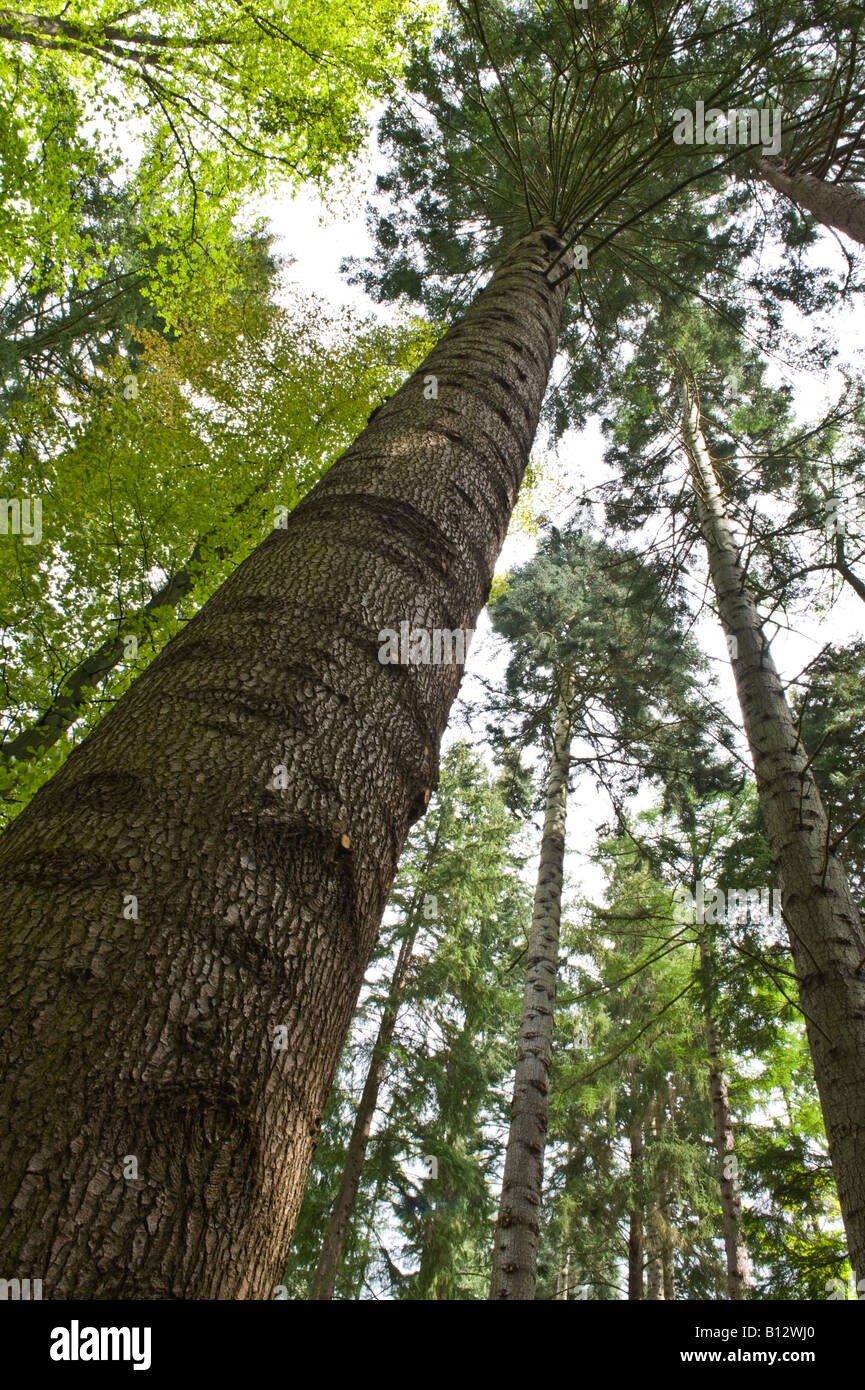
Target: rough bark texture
point(635, 1219)
point(738, 1268)
point(330, 1257)
point(826, 936)
point(201, 1036)
point(832, 204)
point(515, 1252)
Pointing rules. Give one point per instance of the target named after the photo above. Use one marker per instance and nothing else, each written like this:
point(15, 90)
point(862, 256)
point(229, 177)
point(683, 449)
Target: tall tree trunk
point(635, 1201)
point(738, 1269)
point(330, 1257)
point(667, 1255)
point(654, 1262)
point(833, 204)
point(655, 1285)
point(563, 1276)
point(826, 936)
point(515, 1251)
point(169, 1054)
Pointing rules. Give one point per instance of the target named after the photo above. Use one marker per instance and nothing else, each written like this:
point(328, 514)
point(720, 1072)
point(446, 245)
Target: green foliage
point(241, 416)
point(193, 106)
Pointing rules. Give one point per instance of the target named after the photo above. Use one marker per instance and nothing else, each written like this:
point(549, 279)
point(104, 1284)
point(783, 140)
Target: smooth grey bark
point(167, 1059)
point(330, 1257)
point(515, 1249)
point(826, 936)
point(735, 1246)
point(834, 205)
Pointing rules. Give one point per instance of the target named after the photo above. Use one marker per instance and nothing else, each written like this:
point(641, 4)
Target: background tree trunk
point(563, 1276)
point(327, 1268)
point(826, 936)
point(654, 1127)
point(635, 1219)
point(667, 1256)
point(738, 1270)
point(833, 204)
point(168, 1058)
point(515, 1252)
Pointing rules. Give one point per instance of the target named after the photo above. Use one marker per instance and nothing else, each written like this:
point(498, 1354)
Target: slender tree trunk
point(835, 205)
point(515, 1251)
point(738, 1269)
point(563, 1276)
point(654, 1263)
point(667, 1256)
point(635, 1219)
point(655, 1290)
point(190, 904)
point(826, 936)
point(330, 1258)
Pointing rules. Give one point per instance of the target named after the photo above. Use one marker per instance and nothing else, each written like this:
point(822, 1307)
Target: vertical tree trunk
point(654, 1218)
point(563, 1276)
point(826, 936)
point(635, 1218)
point(833, 204)
point(190, 904)
point(738, 1269)
point(330, 1257)
point(515, 1251)
point(654, 1263)
point(668, 1253)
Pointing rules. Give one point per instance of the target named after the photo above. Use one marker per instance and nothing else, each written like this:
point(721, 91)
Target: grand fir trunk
point(654, 1128)
point(330, 1257)
point(833, 204)
point(563, 1276)
point(654, 1262)
point(635, 1217)
point(738, 1270)
point(515, 1250)
point(668, 1256)
point(190, 904)
point(826, 936)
